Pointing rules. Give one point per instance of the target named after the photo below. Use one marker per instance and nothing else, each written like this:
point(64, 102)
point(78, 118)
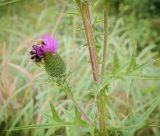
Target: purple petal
point(44, 44)
point(50, 43)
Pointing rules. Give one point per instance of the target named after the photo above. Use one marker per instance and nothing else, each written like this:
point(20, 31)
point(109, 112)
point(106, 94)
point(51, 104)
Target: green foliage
point(115, 63)
point(78, 121)
point(54, 113)
point(131, 80)
point(140, 122)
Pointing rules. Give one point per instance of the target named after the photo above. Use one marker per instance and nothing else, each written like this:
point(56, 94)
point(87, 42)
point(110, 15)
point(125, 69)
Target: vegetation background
point(26, 90)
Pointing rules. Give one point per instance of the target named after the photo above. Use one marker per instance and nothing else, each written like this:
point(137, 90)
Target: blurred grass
point(25, 89)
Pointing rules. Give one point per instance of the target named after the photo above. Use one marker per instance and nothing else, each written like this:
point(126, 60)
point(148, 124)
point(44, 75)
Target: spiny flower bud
point(54, 65)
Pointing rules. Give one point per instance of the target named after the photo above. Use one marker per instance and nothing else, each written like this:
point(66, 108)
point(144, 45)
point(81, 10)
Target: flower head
point(46, 48)
point(43, 45)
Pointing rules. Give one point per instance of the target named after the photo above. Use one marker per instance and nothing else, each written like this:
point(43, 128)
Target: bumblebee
point(34, 55)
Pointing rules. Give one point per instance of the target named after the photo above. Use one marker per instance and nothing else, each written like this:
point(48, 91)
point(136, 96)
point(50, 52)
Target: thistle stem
point(68, 91)
point(80, 109)
point(104, 57)
point(84, 10)
point(101, 97)
point(102, 113)
point(85, 13)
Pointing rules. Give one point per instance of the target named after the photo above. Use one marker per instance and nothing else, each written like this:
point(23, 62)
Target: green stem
point(68, 91)
point(101, 97)
point(104, 59)
point(85, 13)
point(102, 113)
point(84, 10)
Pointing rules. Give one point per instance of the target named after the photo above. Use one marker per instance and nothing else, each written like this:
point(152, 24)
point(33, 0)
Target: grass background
point(133, 71)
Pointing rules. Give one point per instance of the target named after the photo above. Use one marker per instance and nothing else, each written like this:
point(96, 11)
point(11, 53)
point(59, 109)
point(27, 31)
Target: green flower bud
point(54, 65)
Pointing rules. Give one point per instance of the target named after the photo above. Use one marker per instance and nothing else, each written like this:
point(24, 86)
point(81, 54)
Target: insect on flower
point(45, 50)
point(34, 55)
point(42, 46)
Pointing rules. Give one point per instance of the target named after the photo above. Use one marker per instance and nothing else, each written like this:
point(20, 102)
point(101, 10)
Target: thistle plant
point(97, 115)
point(46, 49)
point(101, 102)
point(44, 52)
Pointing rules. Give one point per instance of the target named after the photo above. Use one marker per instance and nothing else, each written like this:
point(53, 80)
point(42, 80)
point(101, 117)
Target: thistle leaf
point(54, 113)
point(132, 63)
point(78, 121)
point(116, 65)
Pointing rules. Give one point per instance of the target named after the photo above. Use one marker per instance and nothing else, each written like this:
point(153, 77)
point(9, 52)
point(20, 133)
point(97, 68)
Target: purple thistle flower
point(45, 48)
point(43, 45)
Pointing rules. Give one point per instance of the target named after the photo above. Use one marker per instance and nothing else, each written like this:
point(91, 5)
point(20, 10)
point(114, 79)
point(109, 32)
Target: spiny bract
point(54, 65)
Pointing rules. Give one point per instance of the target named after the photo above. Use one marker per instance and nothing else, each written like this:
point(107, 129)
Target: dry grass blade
point(59, 18)
point(22, 70)
point(4, 72)
point(12, 87)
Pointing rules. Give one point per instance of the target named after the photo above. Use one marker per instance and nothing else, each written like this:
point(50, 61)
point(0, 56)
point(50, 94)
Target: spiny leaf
point(55, 114)
point(116, 64)
point(78, 121)
point(73, 13)
point(37, 126)
point(50, 118)
point(146, 64)
point(132, 63)
point(140, 122)
point(144, 77)
point(41, 126)
point(8, 2)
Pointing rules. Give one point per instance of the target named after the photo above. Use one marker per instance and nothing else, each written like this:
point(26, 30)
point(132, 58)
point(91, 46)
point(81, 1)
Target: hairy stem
point(104, 57)
point(102, 113)
point(84, 10)
point(68, 91)
point(101, 97)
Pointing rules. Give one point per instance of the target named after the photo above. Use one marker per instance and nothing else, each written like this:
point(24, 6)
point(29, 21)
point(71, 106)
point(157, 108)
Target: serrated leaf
point(143, 77)
point(47, 116)
point(41, 126)
point(132, 63)
point(116, 64)
point(146, 64)
point(78, 121)
point(73, 13)
point(33, 126)
point(9, 2)
point(140, 122)
point(55, 114)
